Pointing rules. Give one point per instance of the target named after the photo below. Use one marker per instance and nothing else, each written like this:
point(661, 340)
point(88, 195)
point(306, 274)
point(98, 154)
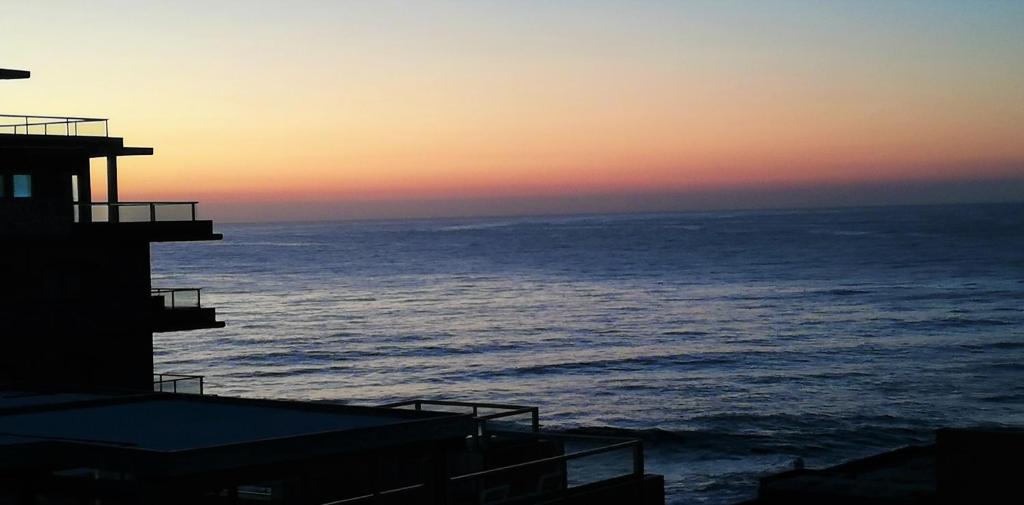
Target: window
point(22, 186)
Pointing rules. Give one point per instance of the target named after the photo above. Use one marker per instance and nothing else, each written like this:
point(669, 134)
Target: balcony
point(152, 221)
point(140, 212)
point(181, 310)
point(176, 383)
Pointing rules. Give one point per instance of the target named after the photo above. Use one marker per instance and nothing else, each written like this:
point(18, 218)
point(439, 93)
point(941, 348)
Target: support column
point(84, 194)
point(113, 210)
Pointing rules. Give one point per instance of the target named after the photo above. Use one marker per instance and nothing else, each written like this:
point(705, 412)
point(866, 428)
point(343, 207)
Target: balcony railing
point(585, 461)
point(179, 298)
point(54, 125)
point(597, 462)
point(174, 383)
point(482, 411)
point(181, 309)
point(140, 212)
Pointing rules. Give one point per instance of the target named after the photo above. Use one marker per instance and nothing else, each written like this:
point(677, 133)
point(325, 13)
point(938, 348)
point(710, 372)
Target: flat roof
point(14, 399)
point(14, 440)
point(180, 424)
point(181, 434)
point(8, 73)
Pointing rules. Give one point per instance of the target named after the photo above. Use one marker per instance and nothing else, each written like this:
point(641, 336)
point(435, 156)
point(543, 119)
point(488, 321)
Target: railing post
point(193, 211)
point(152, 212)
point(638, 459)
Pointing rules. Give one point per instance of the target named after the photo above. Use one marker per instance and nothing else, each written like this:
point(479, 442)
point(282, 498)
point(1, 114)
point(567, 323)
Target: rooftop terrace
point(67, 126)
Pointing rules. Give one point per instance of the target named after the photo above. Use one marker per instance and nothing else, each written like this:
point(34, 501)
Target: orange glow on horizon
point(477, 101)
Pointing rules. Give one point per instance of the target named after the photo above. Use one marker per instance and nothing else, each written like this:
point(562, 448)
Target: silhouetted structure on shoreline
point(84, 419)
point(963, 466)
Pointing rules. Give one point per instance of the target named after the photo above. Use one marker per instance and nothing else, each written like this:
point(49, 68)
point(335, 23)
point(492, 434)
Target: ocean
point(730, 342)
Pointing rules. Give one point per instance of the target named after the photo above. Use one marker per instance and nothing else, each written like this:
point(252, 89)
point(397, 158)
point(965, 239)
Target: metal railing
point(572, 470)
point(504, 410)
point(179, 298)
point(140, 212)
point(566, 479)
point(54, 125)
point(375, 497)
point(564, 482)
point(175, 383)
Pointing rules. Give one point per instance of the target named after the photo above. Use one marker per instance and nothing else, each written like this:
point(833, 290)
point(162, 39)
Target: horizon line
point(724, 210)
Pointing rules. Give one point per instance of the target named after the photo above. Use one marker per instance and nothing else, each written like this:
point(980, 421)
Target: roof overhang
point(92, 147)
point(6, 73)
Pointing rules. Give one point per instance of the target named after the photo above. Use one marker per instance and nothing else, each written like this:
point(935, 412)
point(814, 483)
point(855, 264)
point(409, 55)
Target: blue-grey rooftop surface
point(176, 424)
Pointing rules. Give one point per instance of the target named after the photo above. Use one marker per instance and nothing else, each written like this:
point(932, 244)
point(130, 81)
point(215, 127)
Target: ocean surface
point(731, 342)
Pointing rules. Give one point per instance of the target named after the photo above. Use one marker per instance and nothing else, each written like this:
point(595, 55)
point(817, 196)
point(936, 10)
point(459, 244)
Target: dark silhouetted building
point(77, 305)
point(84, 418)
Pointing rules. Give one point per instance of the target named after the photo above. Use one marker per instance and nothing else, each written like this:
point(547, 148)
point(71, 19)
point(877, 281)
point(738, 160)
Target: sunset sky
point(313, 110)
